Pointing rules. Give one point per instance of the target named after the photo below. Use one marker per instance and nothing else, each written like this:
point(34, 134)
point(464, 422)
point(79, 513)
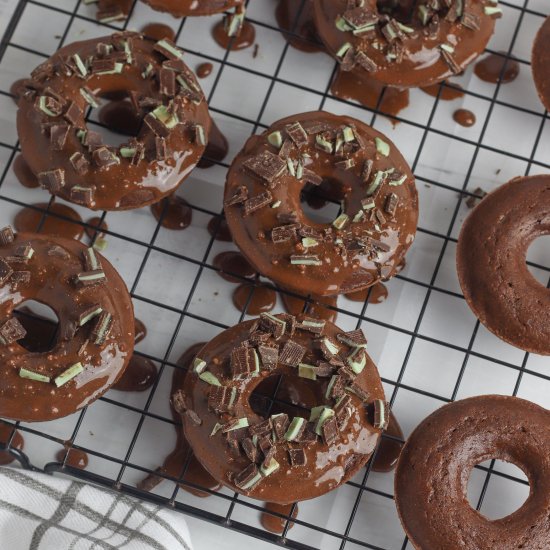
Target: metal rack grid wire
point(429, 285)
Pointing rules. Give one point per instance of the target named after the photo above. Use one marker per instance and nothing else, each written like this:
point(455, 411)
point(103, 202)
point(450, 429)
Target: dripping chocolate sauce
point(298, 30)
point(159, 31)
point(18, 88)
point(275, 524)
point(23, 173)
point(29, 220)
point(181, 456)
point(489, 68)
point(140, 331)
point(233, 262)
point(16, 443)
point(75, 458)
point(100, 225)
point(315, 307)
point(218, 228)
point(243, 40)
point(375, 294)
point(175, 212)
point(448, 93)
point(464, 117)
point(389, 449)
point(254, 300)
point(204, 70)
point(216, 149)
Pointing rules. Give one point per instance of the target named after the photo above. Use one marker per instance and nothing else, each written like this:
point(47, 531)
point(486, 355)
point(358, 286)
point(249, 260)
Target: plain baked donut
point(491, 263)
point(435, 464)
point(95, 336)
point(364, 244)
point(406, 47)
point(283, 458)
point(72, 161)
point(183, 8)
point(540, 62)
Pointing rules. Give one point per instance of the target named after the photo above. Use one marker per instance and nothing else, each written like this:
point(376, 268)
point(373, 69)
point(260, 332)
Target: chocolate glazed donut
point(95, 337)
point(540, 63)
point(71, 160)
point(406, 43)
point(182, 8)
point(362, 168)
point(283, 457)
point(491, 263)
point(435, 464)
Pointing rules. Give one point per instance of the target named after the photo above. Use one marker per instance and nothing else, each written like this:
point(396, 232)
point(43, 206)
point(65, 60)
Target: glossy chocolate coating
point(540, 62)
point(125, 184)
point(491, 255)
point(326, 467)
point(422, 63)
point(182, 8)
point(52, 268)
point(435, 464)
point(338, 274)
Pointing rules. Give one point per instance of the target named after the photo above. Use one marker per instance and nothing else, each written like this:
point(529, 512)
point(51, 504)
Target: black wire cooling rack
point(231, 510)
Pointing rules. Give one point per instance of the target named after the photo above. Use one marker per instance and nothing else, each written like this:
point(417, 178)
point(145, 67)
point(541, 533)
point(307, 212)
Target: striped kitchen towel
point(42, 512)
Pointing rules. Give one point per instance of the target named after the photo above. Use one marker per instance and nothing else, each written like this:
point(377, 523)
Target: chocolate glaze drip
point(120, 117)
point(489, 68)
point(182, 455)
point(375, 294)
point(16, 443)
point(263, 299)
point(464, 117)
point(219, 229)
point(158, 31)
point(28, 220)
point(233, 262)
point(243, 40)
point(175, 212)
point(140, 375)
point(275, 524)
point(23, 173)
point(204, 70)
point(295, 306)
point(140, 330)
point(389, 449)
point(216, 148)
point(75, 458)
point(96, 222)
point(181, 8)
point(447, 93)
point(300, 29)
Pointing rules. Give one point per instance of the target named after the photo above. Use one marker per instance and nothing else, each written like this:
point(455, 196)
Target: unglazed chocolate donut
point(401, 46)
point(182, 8)
point(540, 63)
point(283, 458)
point(491, 255)
point(95, 336)
point(71, 161)
point(363, 245)
point(435, 464)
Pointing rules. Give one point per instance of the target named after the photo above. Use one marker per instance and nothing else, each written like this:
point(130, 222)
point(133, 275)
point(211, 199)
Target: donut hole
point(404, 10)
point(321, 204)
point(505, 493)
point(41, 323)
point(537, 254)
point(286, 394)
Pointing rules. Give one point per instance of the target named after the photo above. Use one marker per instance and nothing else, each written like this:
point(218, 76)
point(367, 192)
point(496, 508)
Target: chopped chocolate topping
point(286, 149)
point(167, 48)
point(21, 277)
point(390, 205)
point(221, 398)
point(88, 314)
point(269, 356)
point(261, 429)
point(470, 21)
point(287, 217)
point(307, 434)
point(267, 166)
point(324, 369)
point(365, 62)
point(305, 259)
point(92, 140)
point(257, 202)
point(11, 331)
point(290, 321)
point(259, 337)
point(283, 233)
point(193, 416)
point(272, 324)
point(244, 479)
point(292, 354)
point(381, 414)
point(297, 134)
point(73, 115)
point(265, 445)
point(297, 457)
point(58, 136)
point(353, 338)
point(80, 163)
point(53, 180)
point(244, 361)
point(238, 197)
point(104, 157)
point(250, 450)
point(280, 424)
point(90, 278)
point(330, 430)
point(6, 235)
point(160, 148)
point(316, 326)
point(82, 195)
point(156, 126)
point(451, 62)
point(167, 82)
point(178, 401)
point(359, 391)
point(337, 386)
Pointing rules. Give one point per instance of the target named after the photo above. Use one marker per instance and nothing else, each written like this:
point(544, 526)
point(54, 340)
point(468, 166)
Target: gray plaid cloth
point(42, 512)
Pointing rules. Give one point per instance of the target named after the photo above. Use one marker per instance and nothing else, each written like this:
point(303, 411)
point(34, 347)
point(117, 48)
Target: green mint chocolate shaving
point(25, 373)
point(69, 374)
point(294, 428)
point(209, 378)
point(199, 365)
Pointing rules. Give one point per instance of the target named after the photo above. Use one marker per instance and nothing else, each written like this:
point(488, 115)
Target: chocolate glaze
point(204, 70)
point(96, 222)
point(464, 117)
point(389, 449)
point(342, 270)
point(273, 523)
point(52, 268)
point(23, 173)
point(216, 148)
point(375, 294)
point(298, 27)
point(28, 220)
point(114, 183)
point(326, 467)
point(158, 31)
point(16, 443)
point(489, 69)
point(176, 461)
point(120, 117)
point(434, 467)
point(448, 93)
point(241, 41)
point(140, 375)
point(219, 229)
point(74, 458)
point(295, 306)
point(422, 61)
point(174, 211)
point(491, 255)
point(540, 63)
point(234, 263)
point(18, 88)
point(263, 299)
point(182, 8)
point(140, 331)
point(367, 91)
